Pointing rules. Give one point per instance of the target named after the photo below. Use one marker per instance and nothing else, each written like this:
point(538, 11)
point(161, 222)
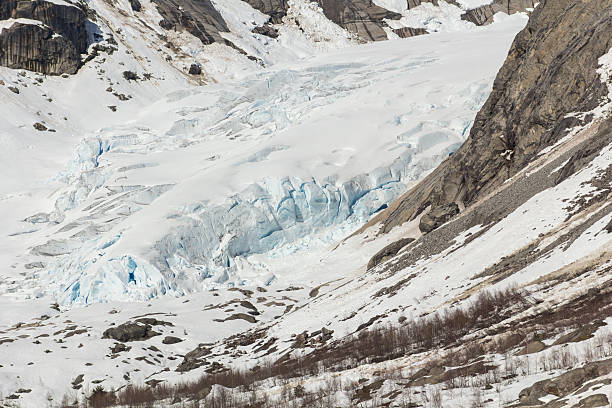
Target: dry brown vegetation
point(375, 344)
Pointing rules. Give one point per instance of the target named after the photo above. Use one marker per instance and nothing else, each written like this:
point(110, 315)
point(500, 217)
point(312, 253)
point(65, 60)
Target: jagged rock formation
point(550, 72)
point(483, 15)
point(198, 17)
point(406, 32)
point(361, 17)
point(52, 47)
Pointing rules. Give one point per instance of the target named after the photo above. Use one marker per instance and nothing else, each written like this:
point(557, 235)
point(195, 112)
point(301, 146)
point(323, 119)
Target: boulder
point(171, 340)
point(437, 216)
point(195, 69)
point(130, 331)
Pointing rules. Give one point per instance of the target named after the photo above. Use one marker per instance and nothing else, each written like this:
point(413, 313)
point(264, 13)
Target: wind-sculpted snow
point(209, 185)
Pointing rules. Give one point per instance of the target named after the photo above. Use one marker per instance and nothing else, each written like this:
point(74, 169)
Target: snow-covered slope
point(234, 234)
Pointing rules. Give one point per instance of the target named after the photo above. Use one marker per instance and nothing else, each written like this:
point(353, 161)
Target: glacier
point(207, 186)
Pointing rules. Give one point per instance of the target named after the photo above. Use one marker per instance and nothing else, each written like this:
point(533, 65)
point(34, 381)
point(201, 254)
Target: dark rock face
point(406, 32)
point(54, 48)
point(483, 15)
point(551, 71)
point(438, 216)
point(388, 252)
point(361, 17)
point(276, 9)
point(198, 17)
point(266, 30)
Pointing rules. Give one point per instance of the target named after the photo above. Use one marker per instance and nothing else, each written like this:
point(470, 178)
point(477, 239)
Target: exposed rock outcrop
point(52, 46)
point(406, 32)
point(483, 15)
point(438, 216)
point(388, 252)
point(198, 17)
point(550, 72)
point(361, 17)
point(276, 9)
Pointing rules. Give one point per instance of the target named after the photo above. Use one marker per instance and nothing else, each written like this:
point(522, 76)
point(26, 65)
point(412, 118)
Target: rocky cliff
point(361, 17)
point(483, 15)
point(199, 18)
point(550, 72)
point(42, 36)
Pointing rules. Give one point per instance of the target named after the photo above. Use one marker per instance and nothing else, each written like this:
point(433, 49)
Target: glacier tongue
point(190, 192)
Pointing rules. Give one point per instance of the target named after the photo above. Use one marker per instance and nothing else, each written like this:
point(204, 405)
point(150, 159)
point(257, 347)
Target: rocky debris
point(130, 331)
point(194, 359)
point(171, 340)
point(14, 89)
point(195, 69)
point(407, 32)
point(551, 71)
point(565, 383)
point(130, 76)
point(135, 4)
point(267, 30)
point(483, 15)
point(360, 17)
point(388, 252)
point(119, 348)
point(437, 216)
point(198, 17)
point(40, 127)
point(52, 47)
point(533, 347)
